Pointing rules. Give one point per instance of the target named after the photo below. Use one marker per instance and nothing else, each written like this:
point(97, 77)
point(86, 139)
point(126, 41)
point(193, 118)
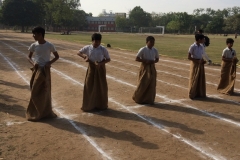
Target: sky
point(159, 6)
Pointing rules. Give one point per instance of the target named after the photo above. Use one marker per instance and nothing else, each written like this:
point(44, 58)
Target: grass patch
point(175, 46)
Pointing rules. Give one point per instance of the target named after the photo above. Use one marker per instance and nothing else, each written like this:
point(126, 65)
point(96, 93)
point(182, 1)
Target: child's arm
point(106, 57)
point(106, 60)
point(30, 58)
point(56, 57)
point(84, 56)
point(227, 59)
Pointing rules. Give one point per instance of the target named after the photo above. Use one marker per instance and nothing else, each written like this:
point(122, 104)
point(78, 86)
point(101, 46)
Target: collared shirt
point(42, 52)
point(147, 53)
point(228, 53)
point(196, 51)
point(95, 54)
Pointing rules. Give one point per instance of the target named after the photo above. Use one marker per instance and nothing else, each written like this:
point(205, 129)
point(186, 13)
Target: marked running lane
point(159, 126)
point(165, 97)
point(67, 117)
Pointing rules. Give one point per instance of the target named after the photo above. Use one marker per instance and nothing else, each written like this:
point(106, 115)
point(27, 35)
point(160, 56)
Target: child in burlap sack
point(197, 81)
point(40, 105)
point(228, 69)
point(95, 93)
point(146, 83)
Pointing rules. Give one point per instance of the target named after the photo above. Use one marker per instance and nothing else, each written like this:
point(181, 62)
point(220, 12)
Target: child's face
point(96, 43)
point(150, 43)
point(230, 45)
point(201, 40)
point(37, 36)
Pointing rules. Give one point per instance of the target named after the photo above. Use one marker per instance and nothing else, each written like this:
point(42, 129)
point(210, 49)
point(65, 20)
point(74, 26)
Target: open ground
point(174, 128)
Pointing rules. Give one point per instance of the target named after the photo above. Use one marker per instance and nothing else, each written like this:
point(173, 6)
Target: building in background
point(104, 18)
point(94, 22)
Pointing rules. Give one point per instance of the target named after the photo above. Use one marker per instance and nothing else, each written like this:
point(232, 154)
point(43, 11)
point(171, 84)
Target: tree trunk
point(22, 29)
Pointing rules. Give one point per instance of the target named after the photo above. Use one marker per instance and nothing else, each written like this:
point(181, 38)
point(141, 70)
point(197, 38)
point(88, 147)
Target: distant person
point(95, 93)
point(146, 88)
point(40, 105)
point(236, 35)
point(197, 81)
point(228, 69)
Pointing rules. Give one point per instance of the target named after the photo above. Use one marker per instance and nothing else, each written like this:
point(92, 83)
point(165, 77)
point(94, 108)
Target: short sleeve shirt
point(42, 52)
point(196, 51)
point(95, 54)
point(147, 53)
point(228, 53)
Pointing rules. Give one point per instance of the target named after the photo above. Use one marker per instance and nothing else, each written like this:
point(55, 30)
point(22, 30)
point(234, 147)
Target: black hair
point(199, 36)
point(200, 31)
point(39, 30)
point(229, 40)
point(96, 36)
point(149, 38)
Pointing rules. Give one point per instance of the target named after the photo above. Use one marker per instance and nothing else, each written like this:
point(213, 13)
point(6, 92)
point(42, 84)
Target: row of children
point(95, 93)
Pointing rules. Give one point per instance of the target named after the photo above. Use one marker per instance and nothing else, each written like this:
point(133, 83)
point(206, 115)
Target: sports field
point(176, 127)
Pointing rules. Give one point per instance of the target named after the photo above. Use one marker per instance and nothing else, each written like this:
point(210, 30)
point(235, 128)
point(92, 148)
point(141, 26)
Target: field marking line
point(165, 97)
point(159, 126)
point(68, 118)
point(158, 65)
point(180, 76)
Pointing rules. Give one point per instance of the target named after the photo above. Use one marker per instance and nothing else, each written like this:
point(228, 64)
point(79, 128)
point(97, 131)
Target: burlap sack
point(197, 81)
point(228, 76)
point(146, 88)
point(95, 94)
point(40, 105)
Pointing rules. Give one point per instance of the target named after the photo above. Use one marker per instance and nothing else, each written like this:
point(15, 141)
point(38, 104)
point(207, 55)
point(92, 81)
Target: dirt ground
point(176, 127)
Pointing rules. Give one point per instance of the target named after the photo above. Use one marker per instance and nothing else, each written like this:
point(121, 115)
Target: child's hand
point(48, 64)
point(86, 59)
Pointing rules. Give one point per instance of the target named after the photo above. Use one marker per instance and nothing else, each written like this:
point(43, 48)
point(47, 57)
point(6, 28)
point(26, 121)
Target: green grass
point(175, 46)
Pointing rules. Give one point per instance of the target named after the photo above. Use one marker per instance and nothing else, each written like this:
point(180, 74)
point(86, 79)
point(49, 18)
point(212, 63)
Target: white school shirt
point(95, 54)
point(147, 53)
point(196, 51)
point(227, 53)
point(42, 52)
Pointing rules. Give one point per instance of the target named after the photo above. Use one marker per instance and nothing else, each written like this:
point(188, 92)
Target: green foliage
point(20, 12)
point(232, 23)
point(173, 26)
point(139, 17)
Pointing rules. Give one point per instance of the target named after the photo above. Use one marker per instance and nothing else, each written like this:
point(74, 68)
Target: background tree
point(21, 13)
point(139, 17)
point(122, 23)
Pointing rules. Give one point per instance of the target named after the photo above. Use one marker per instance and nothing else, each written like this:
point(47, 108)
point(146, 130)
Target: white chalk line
point(210, 83)
point(162, 96)
point(11, 123)
point(158, 95)
point(130, 54)
point(159, 126)
point(172, 74)
point(168, 66)
point(94, 144)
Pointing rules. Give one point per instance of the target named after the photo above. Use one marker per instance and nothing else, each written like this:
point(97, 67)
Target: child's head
point(96, 39)
point(229, 42)
point(150, 40)
point(38, 33)
point(199, 38)
point(200, 31)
